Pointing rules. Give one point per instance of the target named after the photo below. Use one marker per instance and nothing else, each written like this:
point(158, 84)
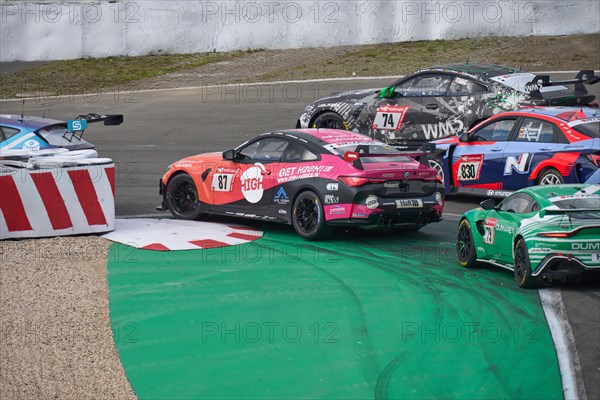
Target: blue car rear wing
point(76, 127)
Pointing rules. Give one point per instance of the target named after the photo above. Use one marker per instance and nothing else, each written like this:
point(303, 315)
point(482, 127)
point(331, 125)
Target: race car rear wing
point(76, 127)
point(584, 77)
point(353, 157)
point(559, 211)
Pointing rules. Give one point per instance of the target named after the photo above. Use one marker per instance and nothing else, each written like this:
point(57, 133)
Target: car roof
point(322, 137)
point(480, 71)
point(27, 123)
point(564, 114)
point(543, 193)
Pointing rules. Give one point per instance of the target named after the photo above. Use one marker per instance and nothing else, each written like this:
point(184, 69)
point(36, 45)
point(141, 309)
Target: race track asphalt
point(163, 126)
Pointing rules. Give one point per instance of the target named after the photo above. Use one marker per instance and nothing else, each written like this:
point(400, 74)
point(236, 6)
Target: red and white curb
point(175, 234)
point(64, 200)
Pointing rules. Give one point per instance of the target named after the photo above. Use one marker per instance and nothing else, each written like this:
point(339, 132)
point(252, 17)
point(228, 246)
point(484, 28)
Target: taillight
point(356, 181)
point(593, 103)
point(594, 158)
point(560, 235)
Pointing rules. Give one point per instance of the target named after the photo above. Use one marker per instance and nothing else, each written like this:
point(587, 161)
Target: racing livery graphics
point(312, 179)
point(544, 234)
point(18, 132)
point(517, 149)
point(442, 101)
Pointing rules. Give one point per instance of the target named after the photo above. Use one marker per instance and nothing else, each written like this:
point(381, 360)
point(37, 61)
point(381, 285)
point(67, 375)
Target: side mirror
point(229, 155)
point(463, 137)
point(488, 204)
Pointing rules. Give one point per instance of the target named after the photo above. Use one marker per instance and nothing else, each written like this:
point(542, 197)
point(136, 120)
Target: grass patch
point(89, 75)
point(533, 53)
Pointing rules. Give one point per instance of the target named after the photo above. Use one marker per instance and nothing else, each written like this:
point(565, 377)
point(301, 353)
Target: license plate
point(409, 203)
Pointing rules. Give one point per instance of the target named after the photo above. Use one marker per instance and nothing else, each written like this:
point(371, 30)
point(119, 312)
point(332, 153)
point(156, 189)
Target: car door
point(414, 111)
point(245, 184)
point(477, 160)
point(534, 140)
point(501, 224)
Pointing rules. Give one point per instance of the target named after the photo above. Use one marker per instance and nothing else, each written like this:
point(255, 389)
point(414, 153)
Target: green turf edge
point(385, 316)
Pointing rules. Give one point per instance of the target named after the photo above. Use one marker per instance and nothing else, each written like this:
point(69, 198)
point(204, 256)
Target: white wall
point(66, 30)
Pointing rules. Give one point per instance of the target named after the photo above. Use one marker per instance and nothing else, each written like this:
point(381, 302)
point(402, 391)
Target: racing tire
point(523, 274)
point(330, 120)
point(181, 197)
point(465, 246)
point(308, 216)
point(550, 176)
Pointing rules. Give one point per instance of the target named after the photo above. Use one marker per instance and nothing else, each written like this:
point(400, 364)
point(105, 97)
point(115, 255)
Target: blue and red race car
point(517, 149)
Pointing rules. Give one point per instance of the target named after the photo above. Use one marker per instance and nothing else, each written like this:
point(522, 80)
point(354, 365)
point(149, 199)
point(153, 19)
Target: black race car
point(443, 101)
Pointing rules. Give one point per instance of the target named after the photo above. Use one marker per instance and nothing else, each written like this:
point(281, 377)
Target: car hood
point(349, 96)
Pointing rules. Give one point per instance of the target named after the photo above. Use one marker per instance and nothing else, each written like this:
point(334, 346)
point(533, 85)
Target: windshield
point(590, 129)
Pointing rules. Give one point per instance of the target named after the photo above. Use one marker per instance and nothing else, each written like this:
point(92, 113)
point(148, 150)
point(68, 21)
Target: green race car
point(542, 233)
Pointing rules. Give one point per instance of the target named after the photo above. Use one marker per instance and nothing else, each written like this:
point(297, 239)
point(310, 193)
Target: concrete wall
point(66, 30)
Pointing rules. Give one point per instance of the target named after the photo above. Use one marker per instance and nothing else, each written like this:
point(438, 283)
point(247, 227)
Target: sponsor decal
point(387, 175)
point(359, 215)
point(337, 210)
point(282, 212)
point(331, 199)
point(443, 129)
point(252, 183)
point(498, 193)
point(469, 167)
point(585, 246)
point(505, 228)
point(409, 203)
point(225, 170)
point(281, 197)
point(372, 202)
point(536, 250)
point(76, 125)
point(391, 185)
point(389, 117)
point(307, 171)
point(31, 145)
point(490, 230)
point(333, 186)
point(520, 165)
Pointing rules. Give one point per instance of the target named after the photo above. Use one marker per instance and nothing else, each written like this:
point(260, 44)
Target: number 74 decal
point(389, 117)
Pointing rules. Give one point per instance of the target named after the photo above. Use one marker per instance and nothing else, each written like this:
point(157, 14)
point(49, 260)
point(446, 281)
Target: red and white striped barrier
point(64, 197)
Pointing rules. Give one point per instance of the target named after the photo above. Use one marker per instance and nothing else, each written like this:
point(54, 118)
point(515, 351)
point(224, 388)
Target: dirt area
point(54, 317)
point(75, 77)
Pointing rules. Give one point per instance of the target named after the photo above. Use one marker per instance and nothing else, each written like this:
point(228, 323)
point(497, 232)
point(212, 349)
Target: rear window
point(590, 129)
point(591, 202)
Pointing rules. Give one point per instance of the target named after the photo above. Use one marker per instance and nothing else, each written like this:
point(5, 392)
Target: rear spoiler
point(584, 77)
point(545, 212)
point(353, 157)
point(76, 127)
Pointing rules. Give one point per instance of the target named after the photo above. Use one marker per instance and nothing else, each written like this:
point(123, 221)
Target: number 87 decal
point(222, 182)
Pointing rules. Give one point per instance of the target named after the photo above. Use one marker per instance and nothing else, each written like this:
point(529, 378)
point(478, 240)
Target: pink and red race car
point(313, 179)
